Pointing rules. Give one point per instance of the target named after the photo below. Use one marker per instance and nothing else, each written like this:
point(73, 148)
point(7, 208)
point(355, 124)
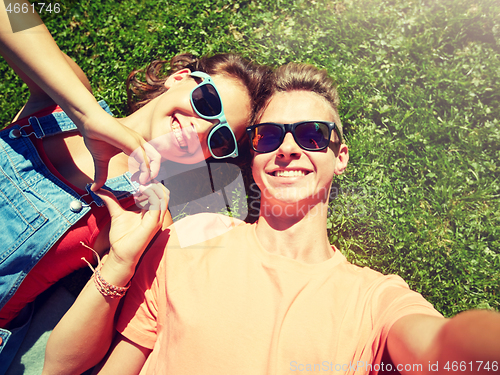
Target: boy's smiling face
point(290, 174)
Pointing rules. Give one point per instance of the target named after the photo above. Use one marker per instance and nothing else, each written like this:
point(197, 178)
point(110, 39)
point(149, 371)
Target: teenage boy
point(275, 297)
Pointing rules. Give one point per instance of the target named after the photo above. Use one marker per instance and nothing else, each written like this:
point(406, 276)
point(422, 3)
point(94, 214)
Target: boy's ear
point(176, 77)
point(342, 159)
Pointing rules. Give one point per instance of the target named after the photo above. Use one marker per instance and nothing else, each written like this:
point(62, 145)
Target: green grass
point(420, 89)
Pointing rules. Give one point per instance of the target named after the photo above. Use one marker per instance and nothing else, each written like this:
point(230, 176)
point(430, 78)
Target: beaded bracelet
point(105, 288)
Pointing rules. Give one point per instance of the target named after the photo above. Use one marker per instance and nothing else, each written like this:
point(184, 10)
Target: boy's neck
point(301, 237)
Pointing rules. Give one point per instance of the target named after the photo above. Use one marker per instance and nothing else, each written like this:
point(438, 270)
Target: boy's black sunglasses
point(309, 135)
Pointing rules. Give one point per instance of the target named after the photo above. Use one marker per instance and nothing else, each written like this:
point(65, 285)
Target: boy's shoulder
point(368, 278)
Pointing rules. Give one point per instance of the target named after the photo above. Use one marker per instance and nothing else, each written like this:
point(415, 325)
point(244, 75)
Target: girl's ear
point(176, 77)
point(342, 159)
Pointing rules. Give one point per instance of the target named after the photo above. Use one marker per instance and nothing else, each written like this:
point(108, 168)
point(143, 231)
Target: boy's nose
point(289, 147)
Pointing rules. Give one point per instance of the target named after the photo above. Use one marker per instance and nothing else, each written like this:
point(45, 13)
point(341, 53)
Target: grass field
point(420, 89)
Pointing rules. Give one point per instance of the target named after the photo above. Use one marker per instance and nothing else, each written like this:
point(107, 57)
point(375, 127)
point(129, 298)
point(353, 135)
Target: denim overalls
point(36, 209)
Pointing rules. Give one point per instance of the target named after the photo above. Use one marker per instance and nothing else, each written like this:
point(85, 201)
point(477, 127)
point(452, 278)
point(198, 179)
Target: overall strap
point(56, 123)
point(121, 187)
point(59, 122)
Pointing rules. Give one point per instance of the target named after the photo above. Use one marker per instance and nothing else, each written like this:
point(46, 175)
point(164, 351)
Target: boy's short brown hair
point(305, 77)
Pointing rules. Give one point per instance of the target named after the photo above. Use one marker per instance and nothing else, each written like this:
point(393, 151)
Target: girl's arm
point(38, 98)
point(125, 358)
point(34, 51)
point(84, 334)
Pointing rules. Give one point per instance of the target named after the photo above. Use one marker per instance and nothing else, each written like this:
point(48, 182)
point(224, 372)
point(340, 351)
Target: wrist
point(116, 272)
point(86, 113)
point(107, 289)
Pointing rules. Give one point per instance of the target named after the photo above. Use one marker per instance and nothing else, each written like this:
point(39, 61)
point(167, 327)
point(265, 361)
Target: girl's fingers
point(110, 201)
point(100, 175)
point(153, 163)
point(156, 205)
point(131, 143)
point(148, 161)
point(153, 197)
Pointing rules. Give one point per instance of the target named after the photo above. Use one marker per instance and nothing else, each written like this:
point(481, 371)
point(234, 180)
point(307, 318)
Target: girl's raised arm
point(35, 52)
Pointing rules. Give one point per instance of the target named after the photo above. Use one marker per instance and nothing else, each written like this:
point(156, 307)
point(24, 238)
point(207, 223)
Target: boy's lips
point(290, 172)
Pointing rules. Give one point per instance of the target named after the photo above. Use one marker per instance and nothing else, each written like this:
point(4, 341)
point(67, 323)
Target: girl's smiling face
point(291, 174)
point(178, 133)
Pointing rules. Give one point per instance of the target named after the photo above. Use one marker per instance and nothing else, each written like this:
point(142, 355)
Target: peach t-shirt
point(227, 306)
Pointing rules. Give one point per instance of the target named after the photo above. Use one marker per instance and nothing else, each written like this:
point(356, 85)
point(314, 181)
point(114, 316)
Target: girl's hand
point(107, 137)
point(131, 231)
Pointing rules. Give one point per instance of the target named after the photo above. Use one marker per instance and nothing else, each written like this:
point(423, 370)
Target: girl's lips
point(177, 131)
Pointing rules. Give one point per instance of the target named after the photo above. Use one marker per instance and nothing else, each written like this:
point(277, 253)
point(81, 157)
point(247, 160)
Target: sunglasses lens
point(222, 142)
point(207, 101)
point(266, 138)
point(312, 135)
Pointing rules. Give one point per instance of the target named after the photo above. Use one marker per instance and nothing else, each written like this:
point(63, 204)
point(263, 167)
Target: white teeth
point(176, 129)
point(289, 173)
